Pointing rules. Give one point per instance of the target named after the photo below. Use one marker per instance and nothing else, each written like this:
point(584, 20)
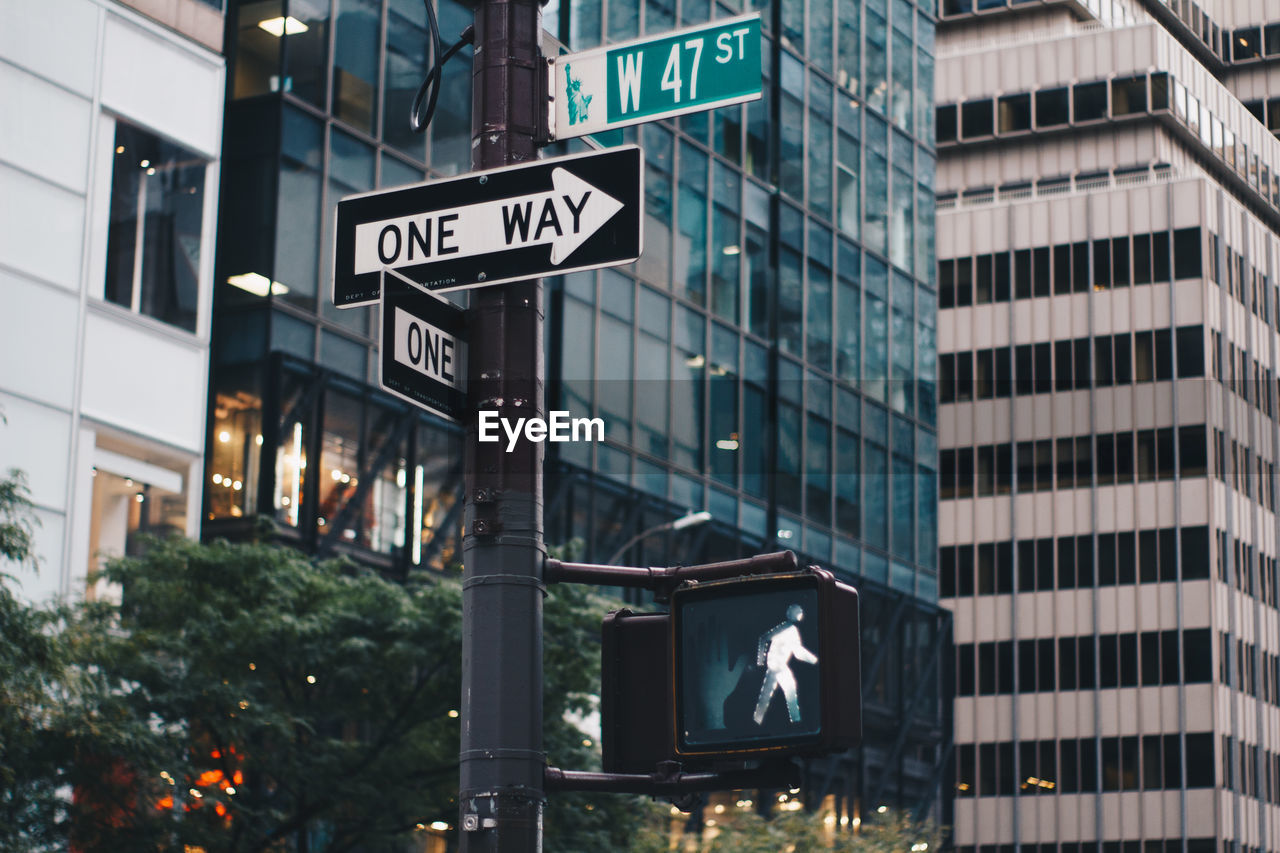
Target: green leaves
point(323, 687)
point(244, 696)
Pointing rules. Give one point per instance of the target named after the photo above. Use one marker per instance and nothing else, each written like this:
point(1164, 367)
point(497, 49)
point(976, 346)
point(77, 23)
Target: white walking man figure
point(777, 646)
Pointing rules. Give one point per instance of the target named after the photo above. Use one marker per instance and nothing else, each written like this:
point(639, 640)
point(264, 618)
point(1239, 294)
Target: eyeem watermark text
point(557, 427)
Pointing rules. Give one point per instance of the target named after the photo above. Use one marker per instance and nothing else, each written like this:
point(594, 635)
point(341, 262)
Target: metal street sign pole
point(501, 761)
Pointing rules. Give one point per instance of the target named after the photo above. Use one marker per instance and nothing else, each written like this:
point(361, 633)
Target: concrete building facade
point(109, 171)
point(1109, 246)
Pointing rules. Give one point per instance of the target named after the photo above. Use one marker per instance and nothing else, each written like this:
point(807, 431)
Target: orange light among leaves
point(209, 777)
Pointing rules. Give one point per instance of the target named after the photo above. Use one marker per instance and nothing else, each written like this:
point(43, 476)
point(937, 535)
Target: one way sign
point(548, 217)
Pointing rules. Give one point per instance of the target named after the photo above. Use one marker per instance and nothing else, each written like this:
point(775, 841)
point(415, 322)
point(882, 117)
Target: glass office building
point(769, 359)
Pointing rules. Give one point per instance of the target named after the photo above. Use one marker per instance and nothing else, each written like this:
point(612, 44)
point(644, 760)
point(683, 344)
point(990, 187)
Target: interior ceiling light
point(279, 26)
point(257, 284)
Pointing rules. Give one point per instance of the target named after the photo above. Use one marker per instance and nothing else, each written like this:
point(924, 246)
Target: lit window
point(153, 242)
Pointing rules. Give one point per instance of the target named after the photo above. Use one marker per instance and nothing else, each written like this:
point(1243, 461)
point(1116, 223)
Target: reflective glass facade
point(770, 358)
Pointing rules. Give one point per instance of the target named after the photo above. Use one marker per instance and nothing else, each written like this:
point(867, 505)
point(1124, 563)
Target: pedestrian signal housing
point(767, 664)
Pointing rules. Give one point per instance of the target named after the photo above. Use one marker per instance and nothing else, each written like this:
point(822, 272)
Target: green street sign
point(699, 68)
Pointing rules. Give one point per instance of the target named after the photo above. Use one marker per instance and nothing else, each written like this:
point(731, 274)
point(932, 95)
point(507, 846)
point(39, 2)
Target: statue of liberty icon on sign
point(578, 102)
point(776, 649)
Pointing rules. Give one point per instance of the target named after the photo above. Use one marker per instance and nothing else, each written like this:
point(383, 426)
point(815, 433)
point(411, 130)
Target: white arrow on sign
point(563, 217)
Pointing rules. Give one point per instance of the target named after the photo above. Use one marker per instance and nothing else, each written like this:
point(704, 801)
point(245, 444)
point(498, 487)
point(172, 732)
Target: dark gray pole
point(502, 763)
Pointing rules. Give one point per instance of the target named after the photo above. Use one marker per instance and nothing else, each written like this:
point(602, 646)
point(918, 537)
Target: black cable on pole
point(418, 120)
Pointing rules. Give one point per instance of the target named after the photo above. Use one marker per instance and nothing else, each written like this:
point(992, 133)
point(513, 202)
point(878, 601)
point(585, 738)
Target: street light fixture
point(684, 522)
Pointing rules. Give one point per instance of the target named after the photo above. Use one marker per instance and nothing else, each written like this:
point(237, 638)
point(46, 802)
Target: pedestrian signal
point(765, 664)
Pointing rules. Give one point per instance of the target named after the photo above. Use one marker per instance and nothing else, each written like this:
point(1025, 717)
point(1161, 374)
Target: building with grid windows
point(109, 162)
point(1109, 329)
point(769, 359)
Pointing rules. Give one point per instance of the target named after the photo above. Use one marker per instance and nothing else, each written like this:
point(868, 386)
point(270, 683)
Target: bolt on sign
point(698, 68)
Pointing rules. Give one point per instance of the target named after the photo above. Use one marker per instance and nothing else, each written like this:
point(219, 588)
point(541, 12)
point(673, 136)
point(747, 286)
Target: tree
point(245, 697)
point(578, 822)
point(16, 519)
point(32, 670)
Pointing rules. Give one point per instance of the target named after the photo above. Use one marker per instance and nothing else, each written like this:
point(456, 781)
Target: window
point(964, 472)
point(976, 119)
point(1192, 451)
point(1004, 372)
point(1051, 107)
point(1108, 673)
point(964, 376)
point(1102, 367)
point(1090, 101)
point(1004, 559)
point(1122, 363)
point(1144, 357)
point(1128, 95)
point(1246, 44)
point(946, 123)
point(1106, 466)
point(1084, 462)
point(1066, 563)
point(1199, 760)
point(1084, 560)
point(986, 486)
point(1044, 465)
point(1186, 253)
point(1083, 368)
point(1015, 113)
point(1062, 269)
point(983, 280)
point(1160, 256)
point(1001, 264)
point(1062, 364)
point(1080, 267)
point(1164, 453)
point(1128, 644)
point(1044, 564)
point(1142, 259)
point(257, 51)
point(1190, 343)
point(132, 499)
point(946, 284)
point(964, 282)
point(156, 219)
point(1022, 274)
point(1066, 463)
point(1040, 264)
point(1066, 663)
point(1043, 368)
point(1022, 369)
point(986, 374)
point(1101, 264)
point(946, 378)
point(1164, 355)
point(1160, 91)
point(1026, 469)
point(1146, 455)
point(1120, 262)
point(1026, 566)
point(966, 764)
